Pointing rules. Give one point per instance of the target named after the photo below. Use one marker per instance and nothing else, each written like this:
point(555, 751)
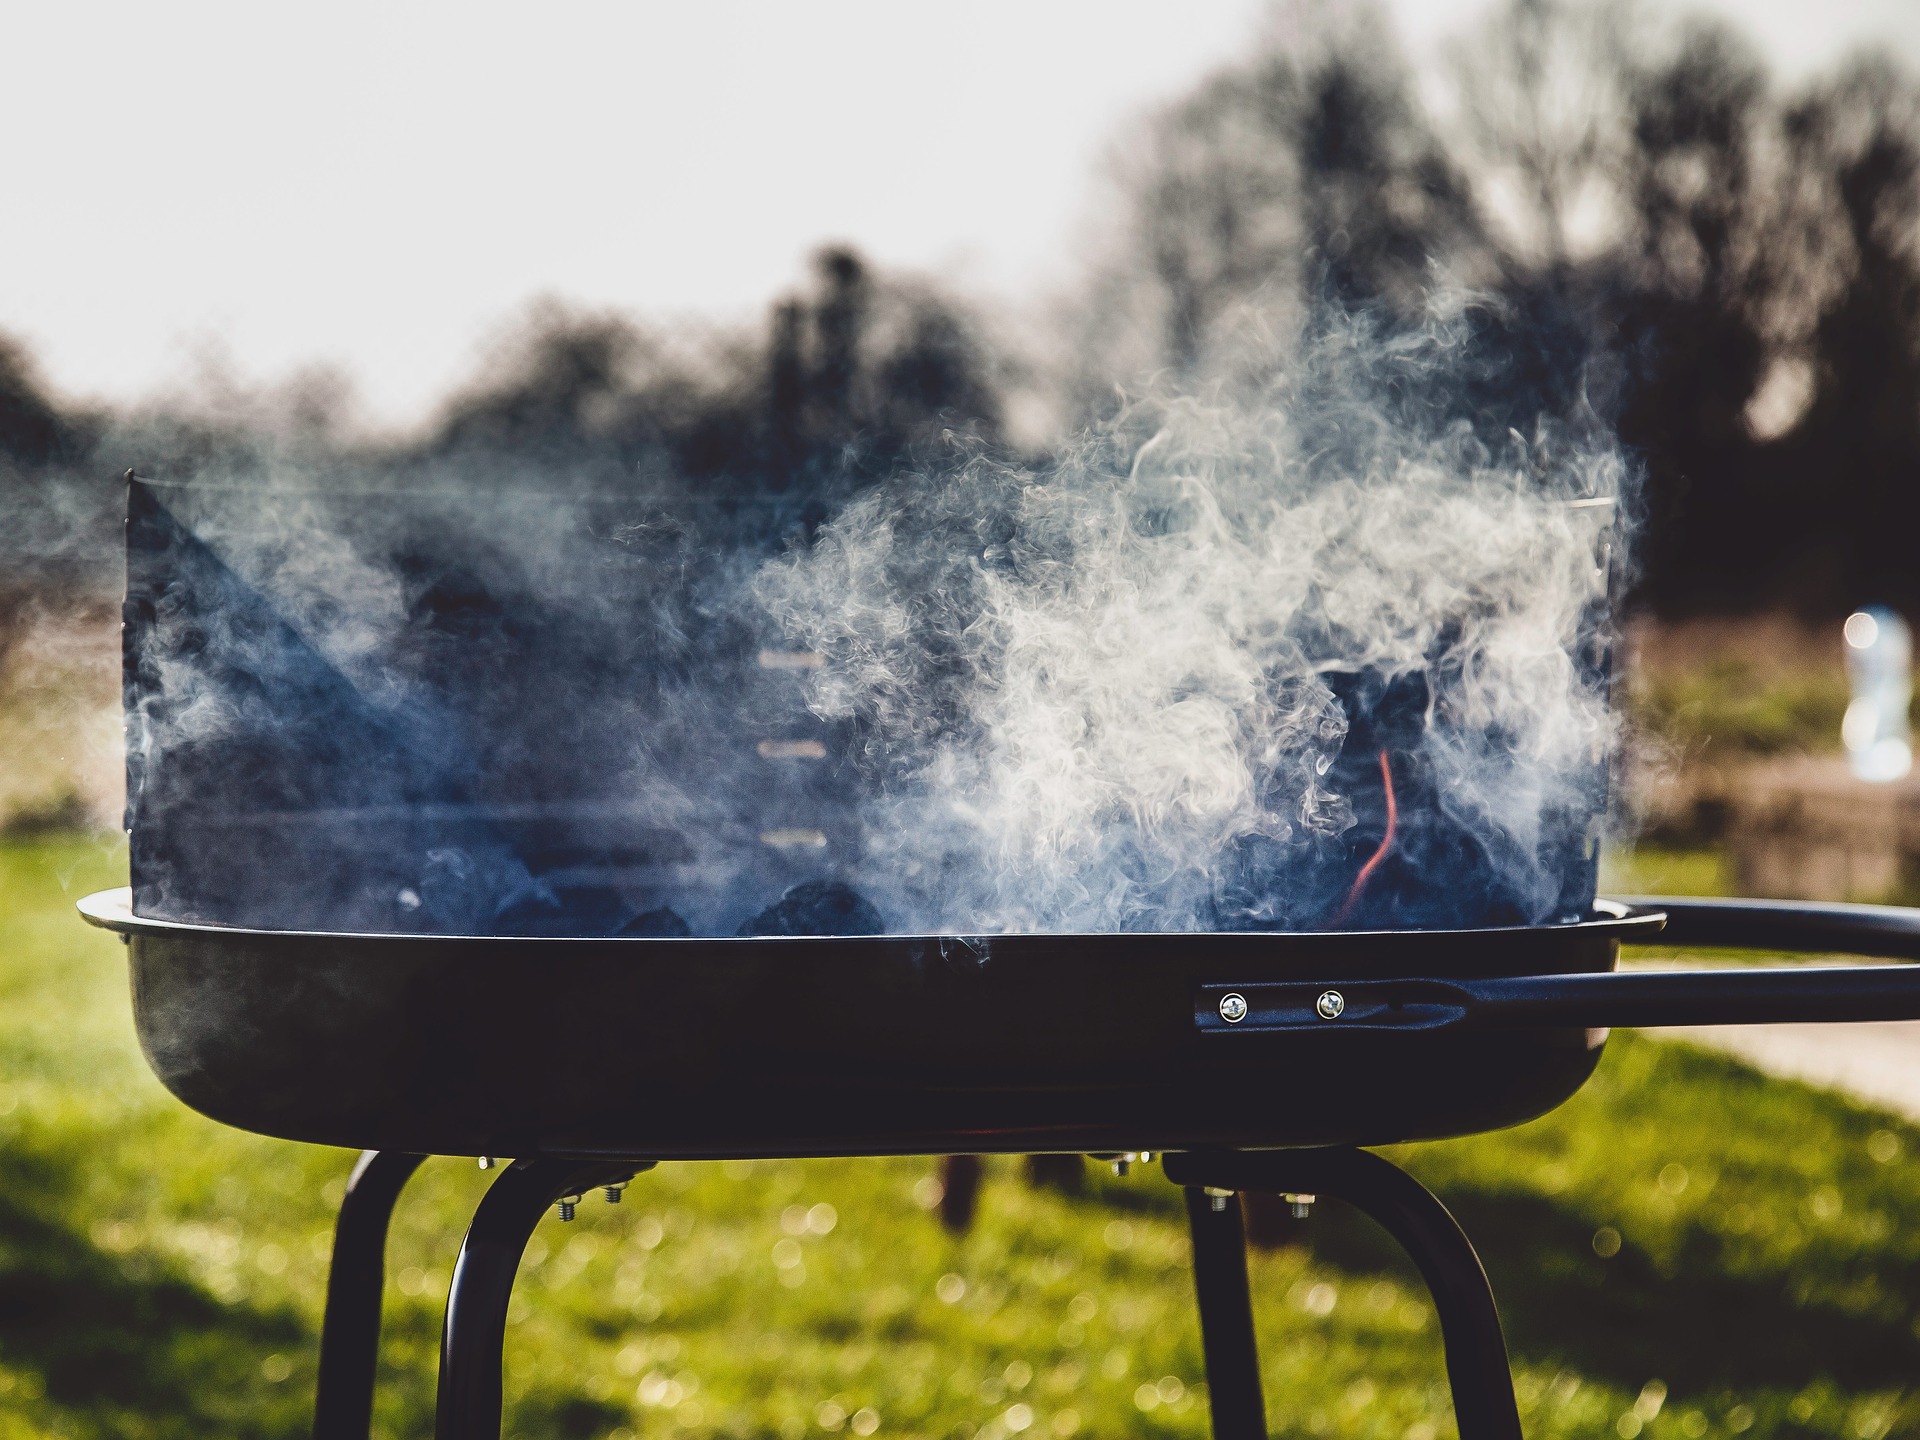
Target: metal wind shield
point(512, 714)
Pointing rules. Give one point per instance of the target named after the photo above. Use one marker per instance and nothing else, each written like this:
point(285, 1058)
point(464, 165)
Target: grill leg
point(1477, 1371)
point(350, 1331)
point(476, 1325)
point(1226, 1317)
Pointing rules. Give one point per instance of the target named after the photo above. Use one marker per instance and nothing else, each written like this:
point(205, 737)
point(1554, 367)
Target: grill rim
point(1631, 923)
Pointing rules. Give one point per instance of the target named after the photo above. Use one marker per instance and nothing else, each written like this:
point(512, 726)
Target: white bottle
point(1879, 668)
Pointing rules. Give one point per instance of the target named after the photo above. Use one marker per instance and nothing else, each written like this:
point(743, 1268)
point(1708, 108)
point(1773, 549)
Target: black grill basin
point(648, 1048)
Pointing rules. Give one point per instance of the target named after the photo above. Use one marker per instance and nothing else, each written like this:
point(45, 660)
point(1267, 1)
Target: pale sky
point(381, 186)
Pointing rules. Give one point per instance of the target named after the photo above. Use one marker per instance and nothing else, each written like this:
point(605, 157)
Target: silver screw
point(486, 1162)
point(612, 1192)
point(1233, 1007)
point(1121, 1165)
point(567, 1206)
point(1330, 1004)
point(1218, 1199)
point(1302, 1205)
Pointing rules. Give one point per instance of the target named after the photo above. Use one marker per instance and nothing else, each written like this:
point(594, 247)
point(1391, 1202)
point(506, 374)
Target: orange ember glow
point(1386, 844)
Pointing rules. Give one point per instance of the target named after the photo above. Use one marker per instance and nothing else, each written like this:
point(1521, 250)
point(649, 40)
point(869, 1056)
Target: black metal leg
point(476, 1325)
point(350, 1331)
point(1226, 1316)
point(960, 1177)
point(1477, 1370)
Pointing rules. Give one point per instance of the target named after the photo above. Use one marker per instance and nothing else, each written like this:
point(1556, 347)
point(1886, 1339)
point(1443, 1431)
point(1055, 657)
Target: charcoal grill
point(392, 901)
point(1254, 1062)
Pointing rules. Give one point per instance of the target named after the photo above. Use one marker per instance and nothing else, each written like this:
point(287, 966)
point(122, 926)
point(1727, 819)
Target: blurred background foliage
point(1653, 230)
point(1654, 233)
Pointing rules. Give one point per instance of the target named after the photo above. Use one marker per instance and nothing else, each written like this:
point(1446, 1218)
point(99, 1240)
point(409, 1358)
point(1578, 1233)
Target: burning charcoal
point(661, 924)
point(567, 910)
point(464, 891)
point(819, 907)
point(1418, 855)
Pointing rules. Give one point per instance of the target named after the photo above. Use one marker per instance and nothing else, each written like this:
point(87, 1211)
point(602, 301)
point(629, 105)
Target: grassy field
point(1685, 1250)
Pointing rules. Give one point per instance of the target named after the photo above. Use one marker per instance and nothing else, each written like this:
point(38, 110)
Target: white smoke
point(1145, 685)
point(1080, 687)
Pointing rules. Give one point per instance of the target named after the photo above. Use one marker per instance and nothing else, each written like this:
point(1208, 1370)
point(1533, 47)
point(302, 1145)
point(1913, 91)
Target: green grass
point(1725, 1253)
point(1652, 870)
point(1731, 706)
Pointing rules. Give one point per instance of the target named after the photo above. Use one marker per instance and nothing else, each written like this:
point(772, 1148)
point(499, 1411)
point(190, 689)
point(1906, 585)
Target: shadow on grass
point(566, 1417)
point(1698, 1327)
point(121, 1346)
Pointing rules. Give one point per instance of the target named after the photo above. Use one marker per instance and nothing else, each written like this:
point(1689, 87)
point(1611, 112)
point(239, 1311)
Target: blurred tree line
point(1725, 270)
point(856, 375)
point(1657, 235)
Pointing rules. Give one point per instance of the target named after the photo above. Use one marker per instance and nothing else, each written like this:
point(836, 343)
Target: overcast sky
point(381, 186)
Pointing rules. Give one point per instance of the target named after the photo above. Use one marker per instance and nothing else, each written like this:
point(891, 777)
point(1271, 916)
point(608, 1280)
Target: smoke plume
point(1111, 693)
point(1318, 652)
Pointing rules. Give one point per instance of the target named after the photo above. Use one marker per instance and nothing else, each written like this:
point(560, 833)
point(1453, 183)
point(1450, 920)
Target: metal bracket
point(1747, 995)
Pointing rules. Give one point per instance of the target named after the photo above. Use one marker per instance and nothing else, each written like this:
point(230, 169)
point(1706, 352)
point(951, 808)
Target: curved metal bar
point(1227, 1339)
point(1887, 931)
point(113, 910)
point(356, 1276)
point(468, 1406)
point(1483, 1403)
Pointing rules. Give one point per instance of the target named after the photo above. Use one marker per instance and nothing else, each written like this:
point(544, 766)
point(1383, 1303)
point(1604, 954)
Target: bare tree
point(1543, 126)
point(1311, 168)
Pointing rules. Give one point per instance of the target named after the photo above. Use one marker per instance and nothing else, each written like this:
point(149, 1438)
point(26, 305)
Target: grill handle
point(1635, 999)
point(1887, 931)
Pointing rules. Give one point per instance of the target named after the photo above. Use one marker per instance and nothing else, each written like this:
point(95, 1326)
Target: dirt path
point(1877, 1062)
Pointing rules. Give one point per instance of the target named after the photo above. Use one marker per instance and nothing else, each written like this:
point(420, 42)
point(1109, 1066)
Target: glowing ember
point(1386, 844)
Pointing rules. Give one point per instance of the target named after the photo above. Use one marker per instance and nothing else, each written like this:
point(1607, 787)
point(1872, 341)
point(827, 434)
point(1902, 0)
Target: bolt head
point(1330, 1004)
point(1233, 1007)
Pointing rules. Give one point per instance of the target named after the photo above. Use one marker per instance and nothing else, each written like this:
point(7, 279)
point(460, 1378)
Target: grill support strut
point(469, 1401)
point(1227, 1340)
point(474, 1337)
point(1476, 1348)
point(475, 1334)
point(356, 1275)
